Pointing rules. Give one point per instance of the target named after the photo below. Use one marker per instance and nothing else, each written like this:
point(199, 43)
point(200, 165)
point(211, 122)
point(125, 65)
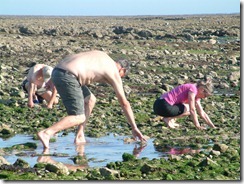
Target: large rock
point(58, 168)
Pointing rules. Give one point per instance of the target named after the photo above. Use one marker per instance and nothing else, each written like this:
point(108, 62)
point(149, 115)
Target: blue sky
point(115, 7)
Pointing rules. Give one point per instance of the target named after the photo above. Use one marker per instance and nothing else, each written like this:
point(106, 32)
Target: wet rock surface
point(164, 52)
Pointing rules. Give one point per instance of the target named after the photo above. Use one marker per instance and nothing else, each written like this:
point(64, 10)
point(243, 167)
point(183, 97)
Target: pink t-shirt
point(179, 94)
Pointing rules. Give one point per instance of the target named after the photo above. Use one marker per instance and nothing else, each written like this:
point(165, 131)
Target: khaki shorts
point(70, 91)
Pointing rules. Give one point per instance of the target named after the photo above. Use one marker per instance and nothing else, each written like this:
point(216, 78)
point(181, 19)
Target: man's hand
point(136, 133)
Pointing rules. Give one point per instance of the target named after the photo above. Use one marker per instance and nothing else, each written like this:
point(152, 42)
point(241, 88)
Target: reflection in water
point(80, 149)
point(178, 151)
point(98, 151)
point(72, 167)
point(137, 150)
point(46, 158)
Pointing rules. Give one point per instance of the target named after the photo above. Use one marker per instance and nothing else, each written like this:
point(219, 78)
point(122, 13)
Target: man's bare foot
point(44, 137)
point(46, 151)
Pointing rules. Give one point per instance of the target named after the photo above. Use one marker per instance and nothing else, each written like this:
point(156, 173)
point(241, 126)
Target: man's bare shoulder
point(88, 60)
point(90, 54)
point(85, 57)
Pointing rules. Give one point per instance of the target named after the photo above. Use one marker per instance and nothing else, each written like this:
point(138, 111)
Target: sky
point(117, 7)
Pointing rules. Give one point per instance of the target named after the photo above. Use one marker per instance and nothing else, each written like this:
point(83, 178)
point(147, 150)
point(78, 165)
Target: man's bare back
point(89, 67)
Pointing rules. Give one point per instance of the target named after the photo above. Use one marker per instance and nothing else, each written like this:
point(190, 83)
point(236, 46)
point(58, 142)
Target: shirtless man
point(71, 76)
point(39, 86)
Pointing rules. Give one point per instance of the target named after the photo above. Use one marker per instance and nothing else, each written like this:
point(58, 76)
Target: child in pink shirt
point(184, 100)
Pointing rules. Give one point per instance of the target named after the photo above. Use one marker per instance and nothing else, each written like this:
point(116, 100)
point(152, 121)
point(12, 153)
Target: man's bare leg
point(65, 123)
point(44, 137)
point(89, 105)
point(80, 136)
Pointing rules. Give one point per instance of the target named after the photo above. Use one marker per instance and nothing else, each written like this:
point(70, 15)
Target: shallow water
point(98, 151)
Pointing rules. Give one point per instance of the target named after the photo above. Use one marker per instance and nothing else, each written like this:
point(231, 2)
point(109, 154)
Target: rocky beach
point(164, 51)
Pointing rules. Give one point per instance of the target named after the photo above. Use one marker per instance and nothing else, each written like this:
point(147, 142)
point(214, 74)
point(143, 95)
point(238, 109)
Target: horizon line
point(119, 15)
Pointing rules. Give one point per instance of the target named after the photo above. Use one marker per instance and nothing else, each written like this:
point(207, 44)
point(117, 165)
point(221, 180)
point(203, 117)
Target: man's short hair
point(124, 64)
